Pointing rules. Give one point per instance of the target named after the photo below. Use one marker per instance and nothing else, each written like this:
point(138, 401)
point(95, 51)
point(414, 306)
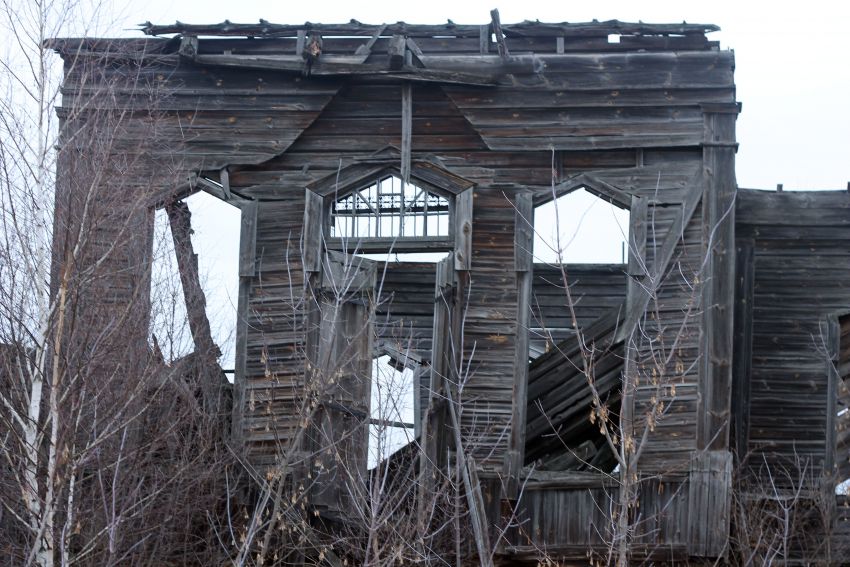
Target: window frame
point(389, 244)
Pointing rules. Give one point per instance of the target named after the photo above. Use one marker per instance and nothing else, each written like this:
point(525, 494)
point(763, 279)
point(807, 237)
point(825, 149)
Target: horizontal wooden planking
point(667, 350)
point(710, 69)
point(595, 289)
point(508, 98)
point(801, 274)
point(274, 377)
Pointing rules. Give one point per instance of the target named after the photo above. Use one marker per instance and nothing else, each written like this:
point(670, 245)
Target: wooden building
point(581, 406)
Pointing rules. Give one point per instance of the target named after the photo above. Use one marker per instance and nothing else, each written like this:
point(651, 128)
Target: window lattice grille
point(390, 209)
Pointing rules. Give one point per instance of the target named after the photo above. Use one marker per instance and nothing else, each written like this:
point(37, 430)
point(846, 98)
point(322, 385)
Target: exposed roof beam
point(355, 28)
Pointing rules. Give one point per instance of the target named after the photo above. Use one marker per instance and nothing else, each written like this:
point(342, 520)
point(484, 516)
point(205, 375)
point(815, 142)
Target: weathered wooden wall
point(566, 106)
point(799, 244)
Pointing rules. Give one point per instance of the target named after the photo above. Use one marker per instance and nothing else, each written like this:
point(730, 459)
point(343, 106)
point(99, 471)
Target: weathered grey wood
point(414, 53)
point(463, 230)
point(484, 39)
point(188, 46)
point(524, 233)
point(638, 278)
point(300, 42)
point(500, 36)
point(337, 65)
point(248, 240)
point(594, 185)
point(424, 172)
point(224, 176)
point(743, 348)
point(718, 289)
point(638, 227)
point(396, 51)
point(341, 378)
point(524, 265)
point(832, 342)
point(366, 48)
point(314, 224)
point(709, 496)
point(625, 120)
point(638, 305)
point(354, 28)
point(406, 130)
point(434, 431)
point(247, 253)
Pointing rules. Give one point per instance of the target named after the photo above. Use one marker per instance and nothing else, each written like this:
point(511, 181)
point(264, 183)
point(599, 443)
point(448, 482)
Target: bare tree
point(108, 455)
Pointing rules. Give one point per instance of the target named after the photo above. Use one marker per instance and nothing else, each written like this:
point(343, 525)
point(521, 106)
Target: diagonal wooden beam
point(643, 294)
point(366, 48)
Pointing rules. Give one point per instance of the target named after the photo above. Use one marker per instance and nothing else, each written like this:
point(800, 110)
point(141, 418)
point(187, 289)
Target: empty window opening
point(402, 257)
point(390, 208)
point(392, 406)
point(215, 239)
point(580, 227)
point(216, 227)
point(169, 330)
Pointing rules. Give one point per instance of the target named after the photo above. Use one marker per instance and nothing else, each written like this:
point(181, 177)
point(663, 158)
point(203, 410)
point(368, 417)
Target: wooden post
point(718, 288)
point(524, 266)
point(743, 359)
point(500, 37)
point(406, 130)
point(396, 51)
point(247, 252)
point(313, 249)
point(710, 479)
point(463, 230)
point(833, 346)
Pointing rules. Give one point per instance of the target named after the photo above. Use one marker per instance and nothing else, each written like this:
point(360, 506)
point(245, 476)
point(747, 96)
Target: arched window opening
point(390, 208)
point(580, 228)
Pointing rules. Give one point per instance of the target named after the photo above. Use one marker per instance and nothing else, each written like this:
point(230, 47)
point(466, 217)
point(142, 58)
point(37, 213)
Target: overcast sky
point(792, 73)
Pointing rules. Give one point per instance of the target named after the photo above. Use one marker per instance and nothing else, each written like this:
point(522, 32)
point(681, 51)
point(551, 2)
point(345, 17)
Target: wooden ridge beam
point(337, 65)
point(356, 28)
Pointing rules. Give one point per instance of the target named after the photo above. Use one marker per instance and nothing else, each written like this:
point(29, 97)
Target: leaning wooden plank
point(500, 36)
point(179, 218)
point(366, 48)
